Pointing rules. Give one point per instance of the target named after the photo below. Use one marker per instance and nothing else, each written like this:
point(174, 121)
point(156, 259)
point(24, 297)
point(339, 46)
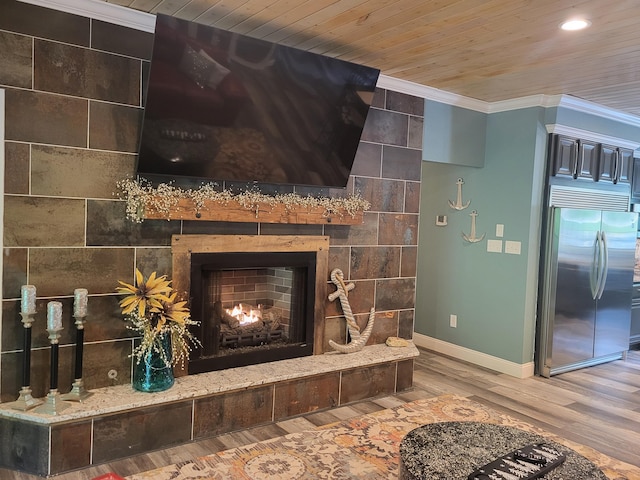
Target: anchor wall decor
point(471, 238)
point(358, 339)
point(459, 205)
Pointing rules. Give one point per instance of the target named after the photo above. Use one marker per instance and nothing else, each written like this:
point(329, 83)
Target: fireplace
point(216, 402)
point(252, 308)
point(257, 298)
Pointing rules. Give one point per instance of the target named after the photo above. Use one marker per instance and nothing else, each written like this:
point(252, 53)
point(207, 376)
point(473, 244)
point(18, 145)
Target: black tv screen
point(227, 107)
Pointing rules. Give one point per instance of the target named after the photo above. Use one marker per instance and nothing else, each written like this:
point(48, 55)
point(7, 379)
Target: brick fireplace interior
point(254, 304)
point(73, 102)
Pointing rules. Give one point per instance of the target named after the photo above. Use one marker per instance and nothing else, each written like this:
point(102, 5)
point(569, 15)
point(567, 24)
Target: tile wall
point(73, 91)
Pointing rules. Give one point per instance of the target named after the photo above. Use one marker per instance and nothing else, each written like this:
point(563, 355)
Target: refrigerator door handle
point(604, 256)
point(595, 267)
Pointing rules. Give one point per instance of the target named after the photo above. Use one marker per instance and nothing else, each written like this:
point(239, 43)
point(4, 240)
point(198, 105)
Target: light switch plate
point(494, 246)
point(499, 230)
point(512, 247)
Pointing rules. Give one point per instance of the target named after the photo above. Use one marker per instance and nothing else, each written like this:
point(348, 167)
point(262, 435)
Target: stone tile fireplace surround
point(187, 247)
point(71, 134)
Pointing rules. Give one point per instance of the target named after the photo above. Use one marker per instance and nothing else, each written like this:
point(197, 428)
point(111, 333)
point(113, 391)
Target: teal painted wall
point(492, 294)
point(460, 135)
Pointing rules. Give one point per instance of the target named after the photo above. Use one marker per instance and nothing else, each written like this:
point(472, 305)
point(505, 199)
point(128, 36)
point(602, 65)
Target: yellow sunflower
point(172, 311)
point(145, 295)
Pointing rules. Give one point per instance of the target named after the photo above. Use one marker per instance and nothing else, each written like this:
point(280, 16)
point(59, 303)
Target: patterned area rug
point(365, 447)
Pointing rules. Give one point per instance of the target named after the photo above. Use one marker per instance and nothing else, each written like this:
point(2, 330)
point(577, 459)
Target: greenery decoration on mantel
point(167, 201)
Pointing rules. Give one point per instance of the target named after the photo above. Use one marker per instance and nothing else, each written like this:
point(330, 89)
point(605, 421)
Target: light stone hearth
point(117, 422)
point(121, 398)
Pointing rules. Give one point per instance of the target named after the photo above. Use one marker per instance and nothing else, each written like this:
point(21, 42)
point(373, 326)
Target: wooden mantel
point(233, 211)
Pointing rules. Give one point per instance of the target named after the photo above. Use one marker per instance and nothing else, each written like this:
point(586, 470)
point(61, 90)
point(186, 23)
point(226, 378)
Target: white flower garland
point(140, 193)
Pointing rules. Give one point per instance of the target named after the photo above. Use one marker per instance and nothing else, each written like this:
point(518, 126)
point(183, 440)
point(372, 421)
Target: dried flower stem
point(140, 194)
point(151, 339)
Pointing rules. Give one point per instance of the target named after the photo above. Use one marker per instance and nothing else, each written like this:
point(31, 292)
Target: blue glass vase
point(152, 374)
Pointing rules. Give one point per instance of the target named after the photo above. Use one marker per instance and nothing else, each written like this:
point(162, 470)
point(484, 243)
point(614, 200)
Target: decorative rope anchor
point(472, 238)
point(358, 339)
point(459, 205)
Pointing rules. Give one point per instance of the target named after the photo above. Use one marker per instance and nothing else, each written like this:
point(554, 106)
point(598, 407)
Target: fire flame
point(245, 317)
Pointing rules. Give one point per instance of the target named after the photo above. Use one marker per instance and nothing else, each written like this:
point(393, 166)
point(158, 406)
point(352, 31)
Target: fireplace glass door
point(252, 308)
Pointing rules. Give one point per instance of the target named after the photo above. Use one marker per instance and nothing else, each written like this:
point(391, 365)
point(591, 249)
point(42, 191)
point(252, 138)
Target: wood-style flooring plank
point(617, 443)
point(587, 391)
point(605, 418)
point(532, 407)
point(597, 406)
point(296, 425)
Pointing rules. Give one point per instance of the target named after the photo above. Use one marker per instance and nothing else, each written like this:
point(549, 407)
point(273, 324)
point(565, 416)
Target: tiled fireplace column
point(66, 145)
point(118, 422)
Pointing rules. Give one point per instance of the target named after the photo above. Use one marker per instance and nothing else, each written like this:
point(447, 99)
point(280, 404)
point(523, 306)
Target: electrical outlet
point(453, 321)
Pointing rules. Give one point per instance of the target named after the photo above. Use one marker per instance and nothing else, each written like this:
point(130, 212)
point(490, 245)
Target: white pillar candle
point(28, 299)
point(80, 302)
point(54, 316)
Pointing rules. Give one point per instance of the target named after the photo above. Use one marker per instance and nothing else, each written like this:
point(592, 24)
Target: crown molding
point(546, 101)
point(518, 103)
point(565, 101)
point(578, 104)
point(131, 18)
point(592, 136)
point(107, 12)
point(430, 93)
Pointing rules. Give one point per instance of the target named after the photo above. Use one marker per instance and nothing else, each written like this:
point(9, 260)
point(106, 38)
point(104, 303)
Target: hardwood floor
point(597, 406)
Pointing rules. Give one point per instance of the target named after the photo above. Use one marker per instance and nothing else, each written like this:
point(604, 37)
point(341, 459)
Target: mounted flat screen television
point(227, 107)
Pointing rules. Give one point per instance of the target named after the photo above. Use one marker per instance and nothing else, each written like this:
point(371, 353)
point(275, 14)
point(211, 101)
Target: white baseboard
point(478, 358)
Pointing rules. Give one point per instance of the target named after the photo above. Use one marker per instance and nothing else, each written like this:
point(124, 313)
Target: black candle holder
point(25, 400)
point(78, 392)
point(52, 404)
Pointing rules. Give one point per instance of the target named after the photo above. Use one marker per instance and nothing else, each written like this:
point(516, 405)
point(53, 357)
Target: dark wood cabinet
point(615, 164)
point(586, 159)
point(626, 165)
point(608, 160)
point(635, 181)
point(564, 155)
point(572, 157)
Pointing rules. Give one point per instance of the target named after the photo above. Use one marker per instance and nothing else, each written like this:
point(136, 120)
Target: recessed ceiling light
point(575, 24)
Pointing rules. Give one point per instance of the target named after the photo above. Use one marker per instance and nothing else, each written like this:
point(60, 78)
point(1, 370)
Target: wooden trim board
point(233, 211)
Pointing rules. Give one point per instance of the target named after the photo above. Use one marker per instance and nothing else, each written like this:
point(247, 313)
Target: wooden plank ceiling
point(489, 50)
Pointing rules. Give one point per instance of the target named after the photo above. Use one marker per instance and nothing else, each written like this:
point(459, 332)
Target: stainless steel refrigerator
point(587, 289)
